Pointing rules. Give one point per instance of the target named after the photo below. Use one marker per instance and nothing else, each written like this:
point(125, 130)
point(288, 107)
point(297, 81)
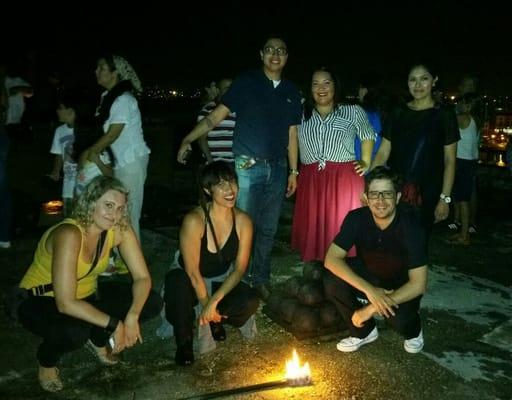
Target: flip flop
point(52, 385)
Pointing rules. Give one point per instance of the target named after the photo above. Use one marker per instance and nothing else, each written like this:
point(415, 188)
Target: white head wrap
point(126, 72)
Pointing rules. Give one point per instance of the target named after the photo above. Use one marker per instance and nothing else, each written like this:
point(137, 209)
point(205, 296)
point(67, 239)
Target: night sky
point(191, 46)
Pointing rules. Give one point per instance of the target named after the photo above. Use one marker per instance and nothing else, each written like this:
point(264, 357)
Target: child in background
point(88, 170)
point(62, 147)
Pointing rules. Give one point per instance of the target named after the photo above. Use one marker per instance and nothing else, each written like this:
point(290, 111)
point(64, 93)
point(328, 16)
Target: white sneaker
point(5, 245)
point(352, 343)
point(414, 345)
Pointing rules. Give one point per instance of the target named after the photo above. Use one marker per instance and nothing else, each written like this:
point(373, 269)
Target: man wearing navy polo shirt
point(390, 270)
point(265, 146)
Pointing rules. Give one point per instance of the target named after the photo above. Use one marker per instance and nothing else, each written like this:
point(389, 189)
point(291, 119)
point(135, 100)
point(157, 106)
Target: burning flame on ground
point(297, 373)
point(52, 207)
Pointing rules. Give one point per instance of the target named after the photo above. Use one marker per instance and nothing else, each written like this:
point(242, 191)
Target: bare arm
point(245, 231)
point(363, 165)
point(113, 132)
point(203, 145)
point(382, 156)
point(450, 154)
point(293, 159)
point(190, 248)
point(105, 169)
point(131, 252)
point(25, 91)
point(64, 243)
point(57, 167)
point(202, 128)
point(415, 286)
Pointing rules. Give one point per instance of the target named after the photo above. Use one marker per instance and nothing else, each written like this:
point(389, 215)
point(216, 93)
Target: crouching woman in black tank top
point(215, 240)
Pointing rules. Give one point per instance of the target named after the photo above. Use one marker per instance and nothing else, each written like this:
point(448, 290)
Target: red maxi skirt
point(322, 201)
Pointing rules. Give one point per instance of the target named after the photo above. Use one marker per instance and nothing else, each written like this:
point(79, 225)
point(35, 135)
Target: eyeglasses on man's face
point(271, 50)
point(386, 194)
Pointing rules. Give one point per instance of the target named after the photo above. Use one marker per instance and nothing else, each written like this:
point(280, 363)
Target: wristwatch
point(445, 198)
point(294, 171)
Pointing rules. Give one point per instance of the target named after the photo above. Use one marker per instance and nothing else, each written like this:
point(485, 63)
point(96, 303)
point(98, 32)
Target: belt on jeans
point(258, 159)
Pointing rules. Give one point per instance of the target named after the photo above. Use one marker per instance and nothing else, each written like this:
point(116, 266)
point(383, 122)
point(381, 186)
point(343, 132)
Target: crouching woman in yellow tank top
point(64, 306)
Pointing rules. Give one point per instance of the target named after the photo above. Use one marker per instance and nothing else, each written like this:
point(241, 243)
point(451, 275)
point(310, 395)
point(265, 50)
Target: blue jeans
point(5, 198)
point(261, 192)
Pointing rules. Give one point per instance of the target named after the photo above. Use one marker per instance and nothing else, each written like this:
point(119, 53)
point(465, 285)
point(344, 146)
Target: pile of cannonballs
point(301, 306)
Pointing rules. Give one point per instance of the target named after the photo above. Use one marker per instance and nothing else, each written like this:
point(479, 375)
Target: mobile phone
point(248, 163)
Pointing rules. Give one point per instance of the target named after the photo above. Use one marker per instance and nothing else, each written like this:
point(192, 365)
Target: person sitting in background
point(390, 270)
point(215, 245)
point(217, 145)
point(63, 304)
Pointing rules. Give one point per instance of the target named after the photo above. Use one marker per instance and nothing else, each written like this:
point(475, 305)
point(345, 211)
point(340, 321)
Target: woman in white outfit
point(120, 117)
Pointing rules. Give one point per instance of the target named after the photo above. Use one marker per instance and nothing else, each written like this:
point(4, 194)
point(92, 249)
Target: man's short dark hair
point(274, 35)
point(383, 173)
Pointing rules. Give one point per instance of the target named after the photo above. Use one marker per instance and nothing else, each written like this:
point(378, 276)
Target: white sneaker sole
point(413, 350)
point(349, 349)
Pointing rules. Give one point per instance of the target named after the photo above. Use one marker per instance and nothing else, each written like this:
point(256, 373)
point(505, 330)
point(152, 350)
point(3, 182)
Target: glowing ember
point(295, 373)
point(52, 207)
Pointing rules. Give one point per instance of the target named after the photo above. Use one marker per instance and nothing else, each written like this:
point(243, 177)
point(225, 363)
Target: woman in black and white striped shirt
point(330, 182)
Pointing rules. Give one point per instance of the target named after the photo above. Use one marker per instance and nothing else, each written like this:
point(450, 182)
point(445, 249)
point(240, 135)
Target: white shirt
point(130, 144)
point(332, 138)
point(16, 101)
point(88, 172)
point(62, 145)
point(467, 146)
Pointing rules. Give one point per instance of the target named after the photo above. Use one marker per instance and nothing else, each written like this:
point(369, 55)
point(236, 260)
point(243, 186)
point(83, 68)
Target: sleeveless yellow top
point(40, 271)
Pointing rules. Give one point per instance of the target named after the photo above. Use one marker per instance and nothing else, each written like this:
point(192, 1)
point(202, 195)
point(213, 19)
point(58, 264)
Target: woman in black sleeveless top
point(231, 301)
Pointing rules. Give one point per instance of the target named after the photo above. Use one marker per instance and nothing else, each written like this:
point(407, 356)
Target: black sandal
point(218, 331)
point(184, 353)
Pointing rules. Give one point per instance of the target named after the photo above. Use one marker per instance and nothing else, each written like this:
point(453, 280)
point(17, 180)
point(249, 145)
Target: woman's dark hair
point(310, 102)
point(383, 173)
point(211, 175)
point(430, 66)
point(76, 101)
point(109, 98)
point(121, 87)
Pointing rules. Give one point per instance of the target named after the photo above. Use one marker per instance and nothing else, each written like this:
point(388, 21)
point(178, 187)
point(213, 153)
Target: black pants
point(406, 320)
point(180, 300)
point(62, 333)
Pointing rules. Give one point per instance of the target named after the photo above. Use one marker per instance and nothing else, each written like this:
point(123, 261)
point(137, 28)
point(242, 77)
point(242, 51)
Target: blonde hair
point(85, 204)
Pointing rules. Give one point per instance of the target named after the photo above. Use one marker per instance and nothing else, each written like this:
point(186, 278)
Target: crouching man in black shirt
point(390, 270)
